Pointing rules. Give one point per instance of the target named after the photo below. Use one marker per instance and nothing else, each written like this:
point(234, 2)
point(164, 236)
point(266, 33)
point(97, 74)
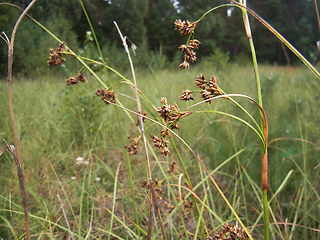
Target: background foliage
point(149, 24)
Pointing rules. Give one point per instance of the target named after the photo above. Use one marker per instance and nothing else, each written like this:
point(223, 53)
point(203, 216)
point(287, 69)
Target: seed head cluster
point(208, 89)
point(56, 56)
point(107, 95)
point(171, 114)
point(229, 232)
point(160, 143)
point(185, 27)
point(189, 54)
point(133, 147)
point(79, 78)
point(186, 95)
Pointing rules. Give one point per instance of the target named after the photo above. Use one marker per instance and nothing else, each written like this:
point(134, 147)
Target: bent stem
point(16, 151)
point(264, 158)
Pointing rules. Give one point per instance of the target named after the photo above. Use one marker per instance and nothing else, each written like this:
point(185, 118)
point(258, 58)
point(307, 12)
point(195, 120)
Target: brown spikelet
point(189, 55)
point(201, 81)
point(213, 87)
point(172, 167)
point(160, 143)
point(81, 77)
point(106, 95)
point(185, 27)
point(133, 147)
point(71, 81)
point(171, 114)
point(229, 231)
point(185, 96)
point(56, 56)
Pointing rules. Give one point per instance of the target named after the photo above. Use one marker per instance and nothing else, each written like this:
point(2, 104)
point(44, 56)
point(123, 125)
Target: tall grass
point(71, 123)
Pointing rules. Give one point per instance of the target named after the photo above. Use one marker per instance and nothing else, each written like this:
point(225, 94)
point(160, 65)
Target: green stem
point(92, 30)
point(265, 213)
point(264, 163)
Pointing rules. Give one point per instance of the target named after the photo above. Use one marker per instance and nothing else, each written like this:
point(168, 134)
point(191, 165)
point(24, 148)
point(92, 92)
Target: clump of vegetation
point(97, 183)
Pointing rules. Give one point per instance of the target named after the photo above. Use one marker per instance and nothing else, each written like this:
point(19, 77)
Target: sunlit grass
point(58, 123)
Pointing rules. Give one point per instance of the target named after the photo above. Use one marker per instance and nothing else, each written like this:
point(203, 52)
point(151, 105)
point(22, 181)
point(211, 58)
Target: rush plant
point(161, 195)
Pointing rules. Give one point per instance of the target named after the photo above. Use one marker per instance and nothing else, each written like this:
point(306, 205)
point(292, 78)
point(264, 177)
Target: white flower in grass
point(80, 161)
point(73, 178)
point(98, 179)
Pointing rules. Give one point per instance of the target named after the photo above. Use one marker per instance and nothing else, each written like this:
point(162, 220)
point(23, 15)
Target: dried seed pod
point(81, 77)
point(133, 147)
point(185, 96)
point(201, 81)
point(106, 95)
point(56, 57)
point(185, 27)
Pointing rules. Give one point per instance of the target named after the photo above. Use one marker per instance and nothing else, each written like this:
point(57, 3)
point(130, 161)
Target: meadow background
point(58, 124)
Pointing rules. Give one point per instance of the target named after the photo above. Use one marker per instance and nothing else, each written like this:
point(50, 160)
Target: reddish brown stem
point(22, 190)
point(16, 151)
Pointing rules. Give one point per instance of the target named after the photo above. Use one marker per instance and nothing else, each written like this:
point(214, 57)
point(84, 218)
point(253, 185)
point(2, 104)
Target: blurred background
point(149, 24)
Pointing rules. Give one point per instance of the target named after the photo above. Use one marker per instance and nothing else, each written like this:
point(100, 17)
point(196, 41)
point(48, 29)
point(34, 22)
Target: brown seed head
point(71, 81)
point(160, 143)
point(81, 77)
point(206, 95)
point(185, 65)
point(172, 167)
point(106, 95)
point(213, 87)
point(185, 27)
point(56, 57)
point(201, 81)
point(231, 232)
point(186, 95)
point(194, 43)
point(133, 147)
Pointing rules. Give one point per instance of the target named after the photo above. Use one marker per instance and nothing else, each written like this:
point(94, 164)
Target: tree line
point(149, 24)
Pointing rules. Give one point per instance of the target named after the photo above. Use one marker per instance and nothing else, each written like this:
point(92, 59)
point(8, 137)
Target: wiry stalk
point(264, 158)
point(317, 12)
point(152, 195)
point(16, 153)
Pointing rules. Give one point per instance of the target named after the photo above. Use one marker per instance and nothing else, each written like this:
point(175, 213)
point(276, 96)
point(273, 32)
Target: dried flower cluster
point(229, 232)
point(171, 114)
point(56, 56)
point(208, 90)
point(106, 95)
point(189, 54)
point(160, 143)
point(133, 147)
point(185, 27)
point(172, 167)
point(185, 96)
point(79, 78)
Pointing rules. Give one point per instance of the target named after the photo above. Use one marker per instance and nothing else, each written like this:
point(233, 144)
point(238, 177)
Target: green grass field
point(103, 197)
